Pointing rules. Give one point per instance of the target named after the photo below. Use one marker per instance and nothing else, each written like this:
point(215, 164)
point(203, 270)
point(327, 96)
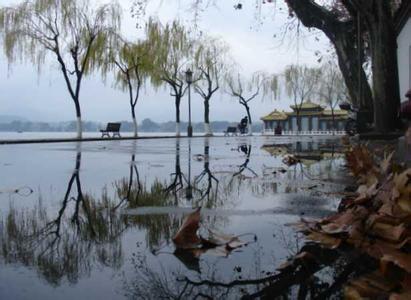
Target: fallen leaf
point(386, 163)
point(186, 237)
point(290, 160)
point(297, 259)
point(324, 239)
point(400, 259)
point(388, 231)
point(219, 239)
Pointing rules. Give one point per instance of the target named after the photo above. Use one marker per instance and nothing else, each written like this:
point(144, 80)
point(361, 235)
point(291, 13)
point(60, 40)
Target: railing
point(306, 132)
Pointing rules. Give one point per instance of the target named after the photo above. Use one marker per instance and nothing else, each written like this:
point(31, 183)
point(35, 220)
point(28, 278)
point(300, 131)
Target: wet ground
point(95, 220)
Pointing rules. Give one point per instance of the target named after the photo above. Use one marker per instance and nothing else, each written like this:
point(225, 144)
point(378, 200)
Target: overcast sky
point(255, 47)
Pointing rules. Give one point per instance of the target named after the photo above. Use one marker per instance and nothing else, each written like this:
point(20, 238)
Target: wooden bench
point(111, 127)
point(230, 130)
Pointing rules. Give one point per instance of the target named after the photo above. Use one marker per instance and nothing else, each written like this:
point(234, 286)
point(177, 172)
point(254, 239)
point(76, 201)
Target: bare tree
point(301, 83)
point(332, 87)
point(210, 61)
point(238, 87)
point(72, 31)
point(133, 66)
point(171, 52)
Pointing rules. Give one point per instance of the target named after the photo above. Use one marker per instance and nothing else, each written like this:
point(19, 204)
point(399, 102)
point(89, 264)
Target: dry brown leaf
point(300, 257)
point(186, 237)
point(388, 231)
point(219, 239)
point(401, 296)
point(324, 239)
point(369, 286)
point(386, 163)
point(290, 160)
point(360, 160)
point(400, 259)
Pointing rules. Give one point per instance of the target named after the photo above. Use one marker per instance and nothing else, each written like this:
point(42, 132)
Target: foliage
point(74, 32)
point(332, 88)
point(172, 48)
point(71, 29)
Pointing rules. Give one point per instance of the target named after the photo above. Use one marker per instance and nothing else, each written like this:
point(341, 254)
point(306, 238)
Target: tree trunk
point(342, 35)
point(79, 124)
point(333, 117)
point(250, 121)
point(383, 45)
point(177, 105)
point(207, 127)
point(133, 115)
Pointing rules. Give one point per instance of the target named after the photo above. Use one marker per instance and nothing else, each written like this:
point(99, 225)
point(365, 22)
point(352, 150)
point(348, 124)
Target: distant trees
point(72, 31)
point(245, 91)
point(133, 65)
point(332, 88)
point(171, 53)
point(301, 82)
point(353, 26)
point(209, 59)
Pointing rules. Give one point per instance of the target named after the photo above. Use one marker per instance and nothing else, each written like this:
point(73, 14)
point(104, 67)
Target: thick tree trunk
point(133, 115)
point(383, 46)
point(177, 105)
point(250, 121)
point(79, 124)
point(207, 127)
point(342, 35)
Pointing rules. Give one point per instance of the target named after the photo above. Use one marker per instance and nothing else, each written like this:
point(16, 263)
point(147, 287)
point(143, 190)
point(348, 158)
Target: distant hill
point(146, 125)
point(11, 118)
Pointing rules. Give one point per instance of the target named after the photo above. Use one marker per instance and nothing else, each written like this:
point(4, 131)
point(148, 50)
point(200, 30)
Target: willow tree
point(301, 82)
point(332, 88)
point(132, 63)
point(209, 59)
point(72, 32)
point(171, 52)
point(246, 90)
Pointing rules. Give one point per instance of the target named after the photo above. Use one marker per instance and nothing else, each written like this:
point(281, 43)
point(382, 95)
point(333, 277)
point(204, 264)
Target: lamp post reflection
point(189, 189)
point(189, 79)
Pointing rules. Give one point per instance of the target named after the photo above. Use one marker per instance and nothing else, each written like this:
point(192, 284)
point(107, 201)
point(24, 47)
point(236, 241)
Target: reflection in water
point(83, 232)
point(206, 183)
point(86, 232)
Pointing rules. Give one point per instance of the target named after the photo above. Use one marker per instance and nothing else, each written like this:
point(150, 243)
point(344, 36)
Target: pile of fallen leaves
point(376, 220)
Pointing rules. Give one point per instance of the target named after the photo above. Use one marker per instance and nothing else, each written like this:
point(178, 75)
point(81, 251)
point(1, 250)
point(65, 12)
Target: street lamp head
point(189, 76)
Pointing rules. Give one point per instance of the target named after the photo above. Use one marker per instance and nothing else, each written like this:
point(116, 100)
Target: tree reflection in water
point(85, 231)
point(320, 274)
point(206, 183)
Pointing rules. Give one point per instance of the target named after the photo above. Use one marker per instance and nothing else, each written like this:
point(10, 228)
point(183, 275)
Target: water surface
point(94, 220)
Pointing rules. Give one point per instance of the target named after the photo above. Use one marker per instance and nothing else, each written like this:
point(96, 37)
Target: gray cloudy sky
point(253, 46)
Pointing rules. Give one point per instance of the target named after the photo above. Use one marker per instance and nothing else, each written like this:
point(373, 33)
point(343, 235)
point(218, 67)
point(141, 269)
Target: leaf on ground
point(300, 258)
point(367, 191)
point(369, 286)
point(402, 260)
point(219, 239)
point(401, 296)
point(388, 231)
point(402, 190)
point(186, 237)
point(360, 160)
point(290, 160)
point(324, 239)
point(386, 163)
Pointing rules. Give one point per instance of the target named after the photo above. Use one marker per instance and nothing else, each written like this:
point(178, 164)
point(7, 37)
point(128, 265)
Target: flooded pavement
point(96, 220)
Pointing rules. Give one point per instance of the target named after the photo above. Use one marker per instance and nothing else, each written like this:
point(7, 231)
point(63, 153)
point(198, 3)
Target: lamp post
point(189, 79)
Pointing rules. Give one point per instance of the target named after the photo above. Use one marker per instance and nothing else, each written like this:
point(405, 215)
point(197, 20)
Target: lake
point(95, 220)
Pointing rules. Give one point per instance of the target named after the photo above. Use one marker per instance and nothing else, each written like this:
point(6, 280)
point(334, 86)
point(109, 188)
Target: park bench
point(230, 130)
point(111, 127)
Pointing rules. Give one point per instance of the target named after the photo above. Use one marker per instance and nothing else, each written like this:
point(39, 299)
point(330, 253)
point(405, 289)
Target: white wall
point(404, 57)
